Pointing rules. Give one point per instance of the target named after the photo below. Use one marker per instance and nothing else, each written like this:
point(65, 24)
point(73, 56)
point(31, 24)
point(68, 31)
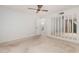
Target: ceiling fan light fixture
point(38, 9)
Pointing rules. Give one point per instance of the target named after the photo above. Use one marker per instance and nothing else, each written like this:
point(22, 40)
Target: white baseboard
point(66, 39)
point(17, 38)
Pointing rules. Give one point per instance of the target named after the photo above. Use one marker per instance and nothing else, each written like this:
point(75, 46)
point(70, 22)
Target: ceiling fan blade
point(45, 10)
point(38, 9)
point(32, 8)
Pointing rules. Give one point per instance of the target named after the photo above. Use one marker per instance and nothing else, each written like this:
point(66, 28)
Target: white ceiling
point(51, 8)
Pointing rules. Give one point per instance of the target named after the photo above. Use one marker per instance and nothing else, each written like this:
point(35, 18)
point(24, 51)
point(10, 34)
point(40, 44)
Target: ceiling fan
point(38, 8)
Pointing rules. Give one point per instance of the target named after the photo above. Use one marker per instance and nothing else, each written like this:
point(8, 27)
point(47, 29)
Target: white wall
point(15, 25)
point(48, 26)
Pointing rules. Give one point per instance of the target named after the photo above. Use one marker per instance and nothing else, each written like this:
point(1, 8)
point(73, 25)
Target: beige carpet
point(38, 44)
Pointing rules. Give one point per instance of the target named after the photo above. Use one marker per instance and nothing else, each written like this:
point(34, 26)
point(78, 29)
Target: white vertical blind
point(64, 25)
point(58, 25)
point(68, 25)
point(55, 24)
point(61, 24)
point(72, 28)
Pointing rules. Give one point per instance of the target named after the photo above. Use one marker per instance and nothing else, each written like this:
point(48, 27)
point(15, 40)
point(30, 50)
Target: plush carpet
point(38, 44)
